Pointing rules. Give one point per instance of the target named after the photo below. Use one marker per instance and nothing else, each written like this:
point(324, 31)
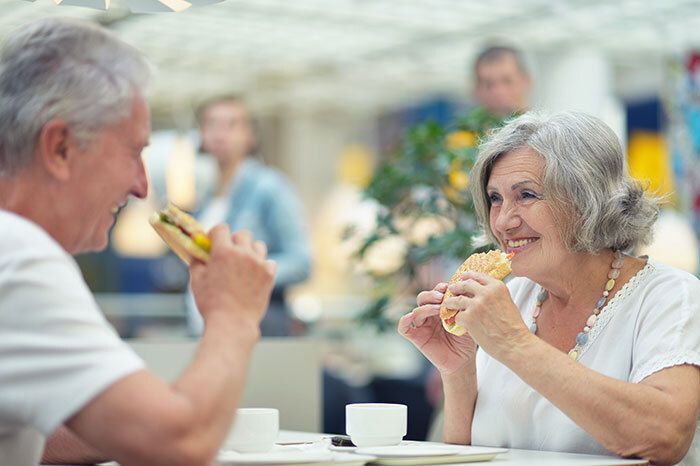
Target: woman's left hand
point(488, 313)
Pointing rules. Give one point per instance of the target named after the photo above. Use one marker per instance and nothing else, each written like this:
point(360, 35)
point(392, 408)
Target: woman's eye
point(529, 196)
point(494, 198)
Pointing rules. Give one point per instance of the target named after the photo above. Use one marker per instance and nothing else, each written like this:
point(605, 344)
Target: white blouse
point(652, 323)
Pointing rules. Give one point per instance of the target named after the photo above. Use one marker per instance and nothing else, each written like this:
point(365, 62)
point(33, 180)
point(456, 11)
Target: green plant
point(424, 211)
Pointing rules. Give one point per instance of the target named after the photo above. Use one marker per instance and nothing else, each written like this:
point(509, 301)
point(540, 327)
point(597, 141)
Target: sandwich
point(182, 233)
point(495, 263)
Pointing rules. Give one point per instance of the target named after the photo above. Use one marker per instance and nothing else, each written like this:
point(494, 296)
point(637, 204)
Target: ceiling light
point(139, 6)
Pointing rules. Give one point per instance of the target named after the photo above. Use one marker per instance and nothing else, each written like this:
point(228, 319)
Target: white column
point(311, 143)
point(580, 78)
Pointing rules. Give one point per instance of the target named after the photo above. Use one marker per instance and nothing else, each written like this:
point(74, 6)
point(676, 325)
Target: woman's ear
point(53, 148)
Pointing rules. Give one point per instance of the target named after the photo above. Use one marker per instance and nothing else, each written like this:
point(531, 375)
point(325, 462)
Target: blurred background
point(332, 88)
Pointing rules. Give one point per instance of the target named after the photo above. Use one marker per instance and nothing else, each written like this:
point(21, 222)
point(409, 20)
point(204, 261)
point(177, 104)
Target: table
point(514, 457)
point(551, 458)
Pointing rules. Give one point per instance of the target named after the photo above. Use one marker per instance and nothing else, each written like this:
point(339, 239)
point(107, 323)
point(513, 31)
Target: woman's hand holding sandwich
point(486, 309)
point(449, 353)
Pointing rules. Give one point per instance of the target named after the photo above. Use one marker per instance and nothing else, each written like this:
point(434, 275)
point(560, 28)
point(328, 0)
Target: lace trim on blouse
point(664, 361)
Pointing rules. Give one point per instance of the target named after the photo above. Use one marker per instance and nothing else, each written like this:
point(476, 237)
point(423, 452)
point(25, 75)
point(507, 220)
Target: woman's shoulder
point(267, 178)
point(661, 289)
point(665, 278)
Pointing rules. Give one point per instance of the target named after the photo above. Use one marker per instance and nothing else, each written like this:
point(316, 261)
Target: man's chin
point(96, 243)
point(91, 248)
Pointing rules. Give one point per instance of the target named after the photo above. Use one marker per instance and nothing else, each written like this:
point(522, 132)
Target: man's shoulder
point(19, 233)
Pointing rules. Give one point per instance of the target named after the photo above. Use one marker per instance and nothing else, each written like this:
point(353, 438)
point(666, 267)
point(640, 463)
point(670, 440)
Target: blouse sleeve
point(667, 329)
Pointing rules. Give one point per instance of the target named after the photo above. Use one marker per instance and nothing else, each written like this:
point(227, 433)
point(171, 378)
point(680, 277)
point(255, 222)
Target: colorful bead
point(583, 337)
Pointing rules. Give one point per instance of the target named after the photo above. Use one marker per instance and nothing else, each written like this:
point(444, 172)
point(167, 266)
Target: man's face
point(501, 86)
point(226, 131)
point(105, 174)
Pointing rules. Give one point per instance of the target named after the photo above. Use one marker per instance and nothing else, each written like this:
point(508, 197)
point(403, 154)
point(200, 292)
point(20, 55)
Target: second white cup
point(376, 424)
point(254, 430)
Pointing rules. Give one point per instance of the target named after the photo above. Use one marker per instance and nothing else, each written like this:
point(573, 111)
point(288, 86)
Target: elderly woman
point(587, 349)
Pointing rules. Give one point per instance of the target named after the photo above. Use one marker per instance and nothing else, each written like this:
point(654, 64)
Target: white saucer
point(354, 449)
point(430, 453)
point(411, 451)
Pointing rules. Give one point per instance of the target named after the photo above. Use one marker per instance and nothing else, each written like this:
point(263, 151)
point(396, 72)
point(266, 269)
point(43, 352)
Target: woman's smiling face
point(520, 216)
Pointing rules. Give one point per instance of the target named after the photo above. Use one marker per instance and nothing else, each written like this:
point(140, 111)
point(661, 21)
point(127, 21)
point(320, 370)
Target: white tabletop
point(547, 458)
point(512, 458)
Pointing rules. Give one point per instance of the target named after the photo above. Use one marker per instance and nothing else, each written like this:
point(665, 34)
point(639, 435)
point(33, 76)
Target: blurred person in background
point(588, 348)
point(250, 195)
point(73, 124)
point(501, 81)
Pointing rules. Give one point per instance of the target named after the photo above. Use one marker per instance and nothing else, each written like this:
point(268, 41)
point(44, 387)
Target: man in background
point(73, 123)
point(501, 81)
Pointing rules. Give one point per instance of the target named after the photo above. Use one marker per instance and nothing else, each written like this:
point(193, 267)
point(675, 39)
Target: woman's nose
point(508, 218)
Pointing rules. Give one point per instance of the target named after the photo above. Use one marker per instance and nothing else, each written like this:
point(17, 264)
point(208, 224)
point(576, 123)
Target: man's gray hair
point(586, 182)
point(61, 68)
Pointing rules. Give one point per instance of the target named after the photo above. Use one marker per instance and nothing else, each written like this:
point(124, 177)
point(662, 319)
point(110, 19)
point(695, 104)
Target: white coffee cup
point(376, 424)
point(254, 430)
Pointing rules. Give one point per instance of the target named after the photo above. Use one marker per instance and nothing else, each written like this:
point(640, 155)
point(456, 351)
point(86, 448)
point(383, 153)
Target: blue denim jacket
point(263, 201)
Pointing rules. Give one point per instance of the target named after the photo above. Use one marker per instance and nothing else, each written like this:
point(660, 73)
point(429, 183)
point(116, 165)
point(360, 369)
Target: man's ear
point(54, 147)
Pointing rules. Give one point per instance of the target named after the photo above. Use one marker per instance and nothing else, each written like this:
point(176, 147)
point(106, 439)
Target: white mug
point(254, 430)
point(376, 424)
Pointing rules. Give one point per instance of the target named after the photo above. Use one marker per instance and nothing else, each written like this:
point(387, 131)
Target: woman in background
point(249, 195)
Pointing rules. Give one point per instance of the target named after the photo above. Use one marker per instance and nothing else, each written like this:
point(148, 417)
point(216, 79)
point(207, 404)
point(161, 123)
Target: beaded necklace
point(582, 337)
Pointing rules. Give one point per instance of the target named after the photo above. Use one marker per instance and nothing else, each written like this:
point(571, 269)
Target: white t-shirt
point(652, 323)
point(57, 351)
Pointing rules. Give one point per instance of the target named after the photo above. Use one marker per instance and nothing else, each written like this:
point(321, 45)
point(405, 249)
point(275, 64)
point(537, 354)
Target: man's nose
point(140, 188)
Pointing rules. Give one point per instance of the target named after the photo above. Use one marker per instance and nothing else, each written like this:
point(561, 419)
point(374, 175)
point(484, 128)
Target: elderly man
point(73, 123)
point(502, 82)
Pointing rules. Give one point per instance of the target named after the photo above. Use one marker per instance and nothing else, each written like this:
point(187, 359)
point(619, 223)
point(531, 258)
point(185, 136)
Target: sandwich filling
point(197, 237)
